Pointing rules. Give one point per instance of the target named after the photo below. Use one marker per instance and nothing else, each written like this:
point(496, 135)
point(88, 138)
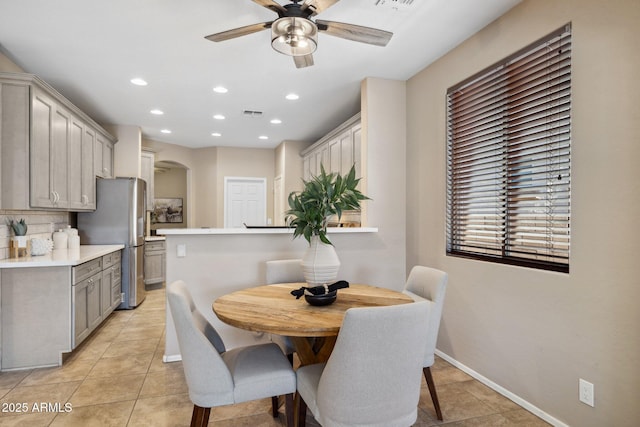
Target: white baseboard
point(171, 358)
point(506, 393)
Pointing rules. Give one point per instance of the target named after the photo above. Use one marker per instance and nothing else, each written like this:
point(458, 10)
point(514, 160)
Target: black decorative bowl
point(324, 299)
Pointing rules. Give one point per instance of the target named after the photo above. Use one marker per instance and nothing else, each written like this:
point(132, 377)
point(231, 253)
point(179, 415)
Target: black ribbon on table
point(319, 290)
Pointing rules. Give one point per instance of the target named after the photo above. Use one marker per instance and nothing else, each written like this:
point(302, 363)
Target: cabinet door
point(41, 190)
point(116, 287)
point(76, 131)
point(318, 156)
point(88, 169)
point(335, 154)
point(357, 150)
point(154, 267)
point(49, 150)
point(94, 312)
point(107, 159)
point(98, 154)
point(80, 321)
point(346, 152)
point(103, 157)
point(60, 157)
point(105, 292)
point(147, 171)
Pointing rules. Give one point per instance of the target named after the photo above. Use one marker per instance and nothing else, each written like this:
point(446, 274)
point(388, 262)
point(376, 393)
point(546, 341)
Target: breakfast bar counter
point(214, 262)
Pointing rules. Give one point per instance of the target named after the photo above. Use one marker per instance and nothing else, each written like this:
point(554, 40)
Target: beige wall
point(8, 66)
point(288, 166)
point(205, 194)
point(532, 332)
point(384, 156)
point(206, 169)
point(248, 163)
point(172, 183)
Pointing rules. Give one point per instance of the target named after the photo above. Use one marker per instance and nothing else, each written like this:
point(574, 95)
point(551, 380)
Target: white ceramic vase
point(320, 263)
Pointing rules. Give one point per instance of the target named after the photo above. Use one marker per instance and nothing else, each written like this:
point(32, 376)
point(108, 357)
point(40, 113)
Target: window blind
point(509, 158)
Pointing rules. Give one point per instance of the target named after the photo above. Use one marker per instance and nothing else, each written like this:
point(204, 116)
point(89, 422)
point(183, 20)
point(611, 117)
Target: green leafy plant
point(324, 195)
point(19, 228)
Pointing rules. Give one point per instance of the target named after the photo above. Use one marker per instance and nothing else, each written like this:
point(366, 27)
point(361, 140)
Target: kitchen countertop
point(154, 238)
point(61, 257)
point(266, 230)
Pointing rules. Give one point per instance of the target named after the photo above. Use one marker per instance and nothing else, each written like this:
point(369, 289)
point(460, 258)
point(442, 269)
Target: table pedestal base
point(312, 350)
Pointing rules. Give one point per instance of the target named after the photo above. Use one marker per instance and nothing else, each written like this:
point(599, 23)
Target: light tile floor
point(117, 378)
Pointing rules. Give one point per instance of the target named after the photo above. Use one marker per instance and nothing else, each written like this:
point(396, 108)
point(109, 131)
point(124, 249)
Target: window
point(509, 158)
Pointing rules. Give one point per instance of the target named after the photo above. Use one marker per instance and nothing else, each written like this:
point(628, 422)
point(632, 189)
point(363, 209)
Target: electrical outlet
point(586, 392)
point(181, 251)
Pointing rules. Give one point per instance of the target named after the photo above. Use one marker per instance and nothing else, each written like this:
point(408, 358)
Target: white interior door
point(245, 201)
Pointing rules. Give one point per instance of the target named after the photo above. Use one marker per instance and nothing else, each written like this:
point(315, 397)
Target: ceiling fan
point(296, 35)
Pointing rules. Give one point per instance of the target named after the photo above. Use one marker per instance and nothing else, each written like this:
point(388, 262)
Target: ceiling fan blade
point(317, 6)
point(355, 32)
point(238, 32)
point(272, 5)
point(303, 61)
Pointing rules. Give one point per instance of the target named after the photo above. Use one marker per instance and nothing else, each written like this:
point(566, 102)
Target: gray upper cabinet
point(87, 169)
point(103, 156)
point(337, 151)
point(147, 171)
point(48, 148)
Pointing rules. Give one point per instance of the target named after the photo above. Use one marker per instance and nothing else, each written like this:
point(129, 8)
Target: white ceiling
point(89, 51)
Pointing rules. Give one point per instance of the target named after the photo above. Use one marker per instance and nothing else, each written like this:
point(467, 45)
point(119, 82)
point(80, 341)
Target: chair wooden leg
point(200, 416)
point(288, 409)
point(301, 408)
point(432, 391)
point(274, 406)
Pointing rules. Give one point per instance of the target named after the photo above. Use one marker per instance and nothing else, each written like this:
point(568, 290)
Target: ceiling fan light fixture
point(294, 36)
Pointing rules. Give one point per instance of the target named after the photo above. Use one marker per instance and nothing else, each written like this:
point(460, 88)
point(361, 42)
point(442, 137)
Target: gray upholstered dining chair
point(430, 284)
point(372, 377)
point(284, 271)
point(218, 377)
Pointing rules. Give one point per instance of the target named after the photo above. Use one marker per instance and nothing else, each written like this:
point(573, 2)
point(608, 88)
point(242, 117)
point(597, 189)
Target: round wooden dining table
point(312, 329)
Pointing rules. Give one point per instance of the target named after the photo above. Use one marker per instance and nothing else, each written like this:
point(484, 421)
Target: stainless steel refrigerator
point(119, 218)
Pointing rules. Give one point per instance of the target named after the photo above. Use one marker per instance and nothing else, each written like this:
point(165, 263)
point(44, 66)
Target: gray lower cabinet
point(86, 306)
point(48, 311)
point(110, 295)
point(155, 255)
point(96, 293)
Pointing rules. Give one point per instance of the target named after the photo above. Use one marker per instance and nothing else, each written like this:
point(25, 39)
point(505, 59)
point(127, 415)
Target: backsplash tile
point(40, 224)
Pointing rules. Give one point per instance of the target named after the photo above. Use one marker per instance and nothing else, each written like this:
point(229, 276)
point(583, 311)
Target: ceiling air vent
point(396, 5)
point(251, 113)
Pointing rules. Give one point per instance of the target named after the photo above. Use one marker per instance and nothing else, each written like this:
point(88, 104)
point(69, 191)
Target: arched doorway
point(172, 188)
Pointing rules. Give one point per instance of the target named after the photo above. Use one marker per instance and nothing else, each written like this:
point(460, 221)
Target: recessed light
point(263, 137)
point(218, 117)
point(216, 134)
point(165, 131)
point(292, 96)
point(276, 121)
point(139, 82)
point(220, 89)
point(157, 112)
